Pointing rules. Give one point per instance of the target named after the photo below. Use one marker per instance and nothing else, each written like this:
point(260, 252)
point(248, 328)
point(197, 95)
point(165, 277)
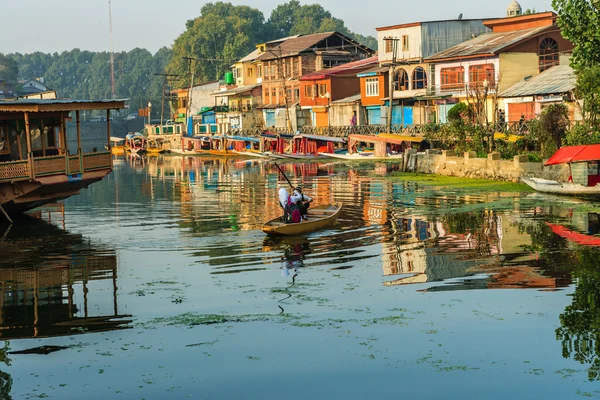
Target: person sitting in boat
point(291, 212)
point(303, 203)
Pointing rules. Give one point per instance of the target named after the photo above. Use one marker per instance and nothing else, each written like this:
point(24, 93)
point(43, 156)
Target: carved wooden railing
point(95, 161)
point(15, 171)
point(49, 165)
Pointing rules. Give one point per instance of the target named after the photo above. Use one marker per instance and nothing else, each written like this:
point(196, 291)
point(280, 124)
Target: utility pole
point(164, 88)
point(113, 86)
point(394, 42)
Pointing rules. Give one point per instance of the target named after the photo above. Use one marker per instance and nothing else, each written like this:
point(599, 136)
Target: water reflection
point(45, 274)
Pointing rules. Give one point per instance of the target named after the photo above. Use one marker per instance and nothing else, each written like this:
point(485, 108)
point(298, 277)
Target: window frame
point(405, 43)
point(487, 71)
point(372, 87)
point(458, 72)
point(423, 79)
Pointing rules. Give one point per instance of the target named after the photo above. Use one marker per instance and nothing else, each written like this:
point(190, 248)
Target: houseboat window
point(404, 42)
point(36, 137)
point(548, 54)
point(592, 168)
point(372, 87)
point(452, 78)
point(4, 145)
point(419, 78)
point(480, 73)
point(402, 79)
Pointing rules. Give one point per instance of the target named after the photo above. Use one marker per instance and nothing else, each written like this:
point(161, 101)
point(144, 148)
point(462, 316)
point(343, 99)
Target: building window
point(266, 94)
point(404, 42)
point(322, 90)
point(296, 94)
point(239, 72)
point(548, 54)
point(478, 74)
point(419, 78)
point(273, 93)
point(250, 72)
point(235, 73)
point(259, 71)
point(308, 91)
point(452, 78)
point(389, 44)
point(402, 79)
point(295, 68)
point(372, 87)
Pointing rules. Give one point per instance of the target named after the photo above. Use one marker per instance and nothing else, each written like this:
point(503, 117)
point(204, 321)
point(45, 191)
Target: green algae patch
point(195, 319)
point(460, 183)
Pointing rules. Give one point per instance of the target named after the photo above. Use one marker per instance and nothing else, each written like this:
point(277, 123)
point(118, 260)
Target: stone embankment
point(492, 167)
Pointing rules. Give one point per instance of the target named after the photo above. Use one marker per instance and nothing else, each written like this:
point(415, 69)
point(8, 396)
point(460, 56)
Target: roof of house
point(250, 57)
point(488, 44)
point(347, 68)
point(373, 71)
point(237, 90)
point(297, 45)
point(350, 99)
point(411, 24)
point(555, 80)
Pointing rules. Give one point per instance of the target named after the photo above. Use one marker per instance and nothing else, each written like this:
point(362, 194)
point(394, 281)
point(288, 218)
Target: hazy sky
point(57, 25)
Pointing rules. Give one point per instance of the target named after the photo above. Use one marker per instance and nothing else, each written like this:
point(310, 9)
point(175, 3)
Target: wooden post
point(79, 142)
point(42, 137)
point(108, 135)
point(29, 152)
point(19, 141)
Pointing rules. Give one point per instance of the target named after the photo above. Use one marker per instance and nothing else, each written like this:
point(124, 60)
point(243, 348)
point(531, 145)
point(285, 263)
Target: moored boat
point(135, 143)
point(584, 177)
point(385, 146)
point(319, 217)
point(155, 146)
point(117, 146)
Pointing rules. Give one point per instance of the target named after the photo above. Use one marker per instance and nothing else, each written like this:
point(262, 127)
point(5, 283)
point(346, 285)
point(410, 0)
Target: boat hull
point(554, 187)
point(319, 217)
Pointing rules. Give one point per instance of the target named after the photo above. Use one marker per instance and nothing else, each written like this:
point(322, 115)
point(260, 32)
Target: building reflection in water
point(45, 278)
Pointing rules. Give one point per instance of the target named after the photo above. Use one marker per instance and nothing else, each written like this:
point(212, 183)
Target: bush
point(458, 111)
point(581, 134)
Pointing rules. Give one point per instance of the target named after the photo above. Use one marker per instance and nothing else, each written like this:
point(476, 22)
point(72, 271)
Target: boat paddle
point(286, 178)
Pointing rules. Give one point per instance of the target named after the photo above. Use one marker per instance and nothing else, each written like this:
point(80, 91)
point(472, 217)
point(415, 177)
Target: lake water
point(157, 283)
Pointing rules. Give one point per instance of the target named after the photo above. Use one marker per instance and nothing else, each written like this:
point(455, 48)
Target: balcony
point(25, 170)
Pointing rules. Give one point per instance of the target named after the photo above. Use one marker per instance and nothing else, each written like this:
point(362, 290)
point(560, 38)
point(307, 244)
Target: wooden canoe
point(319, 217)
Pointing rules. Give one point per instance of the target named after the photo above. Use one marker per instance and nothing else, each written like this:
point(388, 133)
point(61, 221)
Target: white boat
point(555, 187)
point(583, 164)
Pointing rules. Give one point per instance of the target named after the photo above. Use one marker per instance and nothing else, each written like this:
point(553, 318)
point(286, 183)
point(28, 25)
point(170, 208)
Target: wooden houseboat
point(584, 170)
point(276, 144)
point(244, 146)
point(36, 165)
point(155, 145)
point(135, 143)
point(385, 146)
point(315, 146)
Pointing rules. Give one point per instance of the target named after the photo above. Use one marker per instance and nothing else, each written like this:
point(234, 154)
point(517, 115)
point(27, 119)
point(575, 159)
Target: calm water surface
point(157, 283)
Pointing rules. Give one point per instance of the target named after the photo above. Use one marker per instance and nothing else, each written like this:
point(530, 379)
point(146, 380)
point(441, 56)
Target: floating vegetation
point(460, 183)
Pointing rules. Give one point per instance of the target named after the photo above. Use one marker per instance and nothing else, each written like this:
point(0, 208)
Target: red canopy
point(569, 154)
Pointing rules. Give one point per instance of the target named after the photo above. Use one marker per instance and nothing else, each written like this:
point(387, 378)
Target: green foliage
point(550, 129)
point(457, 112)
point(588, 89)
point(579, 21)
point(8, 68)
point(581, 134)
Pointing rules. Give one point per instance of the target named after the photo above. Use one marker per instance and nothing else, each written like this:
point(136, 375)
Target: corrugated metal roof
point(250, 57)
point(349, 99)
point(297, 45)
point(373, 71)
point(237, 90)
point(342, 69)
point(40, 105)
point(488, 43)
point(555, 80)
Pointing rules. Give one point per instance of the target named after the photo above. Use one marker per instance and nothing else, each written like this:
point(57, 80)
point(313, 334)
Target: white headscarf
point(283, 197)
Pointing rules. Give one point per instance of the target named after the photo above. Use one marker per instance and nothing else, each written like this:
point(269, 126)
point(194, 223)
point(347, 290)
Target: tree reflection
point(580, 323)
point(5, 378)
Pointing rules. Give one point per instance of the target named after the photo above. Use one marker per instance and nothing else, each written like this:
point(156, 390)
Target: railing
point(337, 131)
point(13, 171)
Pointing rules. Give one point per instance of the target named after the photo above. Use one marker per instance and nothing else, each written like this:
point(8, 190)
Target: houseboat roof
point(242, 139)
point(297, 45)
point(555, 80)
point(50, 105)
point(273, 135)
point(401, 138)
point(347, 68)
point(569, 154)
point(488, 44)
point(323, 138)
point(386, 138)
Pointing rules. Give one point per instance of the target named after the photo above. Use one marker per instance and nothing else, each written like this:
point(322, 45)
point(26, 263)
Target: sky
point(58, 25)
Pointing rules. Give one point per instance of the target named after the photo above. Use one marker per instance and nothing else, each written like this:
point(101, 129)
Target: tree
point(588, 90)
point(8, 69)
point(579, 21)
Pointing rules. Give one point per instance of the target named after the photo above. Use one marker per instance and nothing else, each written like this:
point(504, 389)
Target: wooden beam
point(43, 137)
point(108, 135)
point(19, 141)
point(29, 152)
